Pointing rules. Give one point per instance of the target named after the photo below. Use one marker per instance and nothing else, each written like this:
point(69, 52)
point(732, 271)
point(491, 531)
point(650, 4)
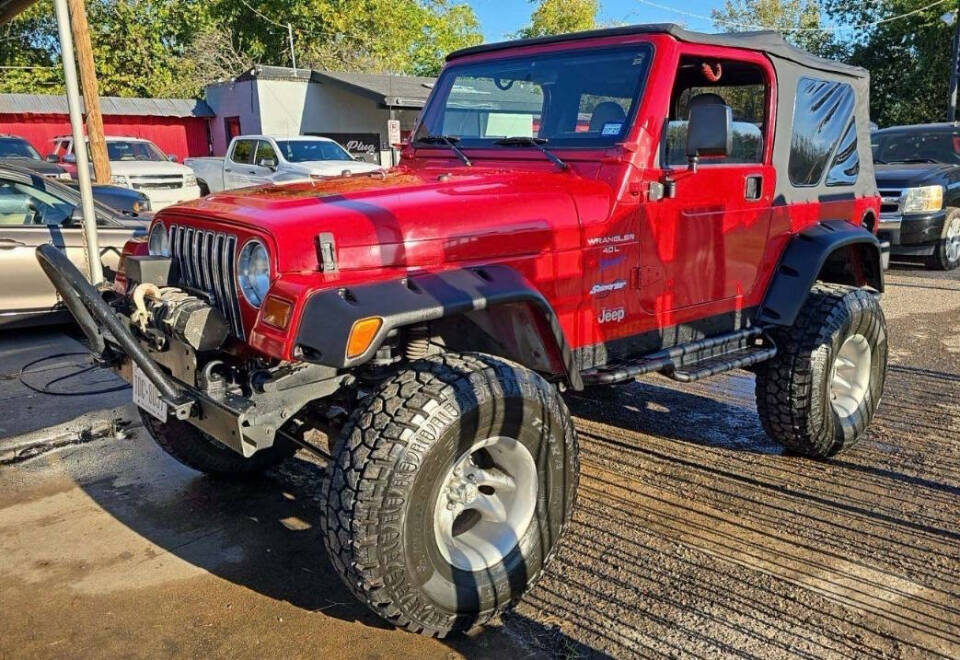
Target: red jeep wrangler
point(571, 212)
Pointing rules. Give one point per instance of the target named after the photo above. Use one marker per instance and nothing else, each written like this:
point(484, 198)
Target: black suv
point(918, 174)
point(17, 152)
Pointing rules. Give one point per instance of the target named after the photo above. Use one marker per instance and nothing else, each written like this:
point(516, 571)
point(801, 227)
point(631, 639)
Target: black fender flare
point(328, 316)
point(802, 264)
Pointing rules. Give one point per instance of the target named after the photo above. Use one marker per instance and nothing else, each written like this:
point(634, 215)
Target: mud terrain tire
point(946, 254)
point(799, 401)
point(202, 452)
point(386, 489)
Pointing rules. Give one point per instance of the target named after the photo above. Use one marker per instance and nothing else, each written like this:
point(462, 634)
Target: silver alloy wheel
point(486, 503)
point(850, 376)
point(952, 240)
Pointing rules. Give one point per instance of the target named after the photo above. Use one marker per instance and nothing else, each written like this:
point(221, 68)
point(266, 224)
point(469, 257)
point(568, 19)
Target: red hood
point(422, 218)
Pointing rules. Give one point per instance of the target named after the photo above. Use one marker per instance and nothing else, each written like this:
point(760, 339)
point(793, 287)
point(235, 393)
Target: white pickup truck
point(140, 165)
point(257, 159)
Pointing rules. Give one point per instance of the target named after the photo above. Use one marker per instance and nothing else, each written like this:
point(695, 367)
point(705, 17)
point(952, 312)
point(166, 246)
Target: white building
point(352, 108)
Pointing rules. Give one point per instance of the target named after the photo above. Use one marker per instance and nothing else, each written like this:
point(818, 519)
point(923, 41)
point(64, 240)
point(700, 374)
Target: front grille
point(206, 261)
point(890, 201)
point(157, 182)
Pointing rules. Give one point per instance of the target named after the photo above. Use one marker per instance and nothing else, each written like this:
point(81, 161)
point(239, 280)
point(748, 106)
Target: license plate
point(147, 396)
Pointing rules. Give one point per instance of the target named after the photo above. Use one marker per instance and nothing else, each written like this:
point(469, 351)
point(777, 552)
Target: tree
point(908, 57)
point(173, 47)
point(559, 17)
point(797, 20)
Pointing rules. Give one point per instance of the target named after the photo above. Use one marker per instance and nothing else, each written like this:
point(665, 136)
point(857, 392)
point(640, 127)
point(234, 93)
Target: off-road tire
point(387, 469)
point(945, 255)
point(203, 453)
point(793, 389)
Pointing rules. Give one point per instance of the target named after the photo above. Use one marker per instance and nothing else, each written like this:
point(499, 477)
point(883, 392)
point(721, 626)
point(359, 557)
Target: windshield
point(133, 151)
point(913, 146)
point(17, 148)
point(302, 151)
point(571, 98)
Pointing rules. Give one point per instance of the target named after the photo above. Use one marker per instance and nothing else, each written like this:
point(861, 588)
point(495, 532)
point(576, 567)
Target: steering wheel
point(503, 85)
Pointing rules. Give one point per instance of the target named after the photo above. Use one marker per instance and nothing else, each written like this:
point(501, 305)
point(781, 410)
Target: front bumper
point(912, 234)
point(245, 420)
point(161, 199)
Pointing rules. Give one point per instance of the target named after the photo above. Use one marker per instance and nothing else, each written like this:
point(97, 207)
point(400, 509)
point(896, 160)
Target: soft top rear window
point(573, 98)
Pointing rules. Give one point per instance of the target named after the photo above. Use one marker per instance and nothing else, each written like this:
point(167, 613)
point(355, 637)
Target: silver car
point(35, 210)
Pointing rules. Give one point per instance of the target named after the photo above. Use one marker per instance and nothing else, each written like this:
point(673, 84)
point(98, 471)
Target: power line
point(831, 29)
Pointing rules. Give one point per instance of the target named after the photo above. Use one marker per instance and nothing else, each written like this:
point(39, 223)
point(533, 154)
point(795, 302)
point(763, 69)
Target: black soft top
point(766, 41)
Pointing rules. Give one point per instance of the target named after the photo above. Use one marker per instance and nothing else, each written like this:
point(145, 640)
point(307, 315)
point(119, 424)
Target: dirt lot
point(694, 536)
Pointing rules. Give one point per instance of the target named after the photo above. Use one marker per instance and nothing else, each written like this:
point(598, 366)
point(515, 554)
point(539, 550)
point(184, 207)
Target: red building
point(177, 126)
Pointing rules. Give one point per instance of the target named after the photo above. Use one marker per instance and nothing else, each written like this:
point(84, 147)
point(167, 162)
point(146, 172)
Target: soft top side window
point(822, 115)
point(740, 85)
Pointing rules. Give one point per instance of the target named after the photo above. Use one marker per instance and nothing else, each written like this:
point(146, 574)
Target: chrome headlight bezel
point(158, 241)
point(923, 199)
point(120, 180)
point(189, 180)
point(253, 272)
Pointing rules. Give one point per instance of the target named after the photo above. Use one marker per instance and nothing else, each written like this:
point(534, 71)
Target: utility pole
point(91, 95)
point(90, 239)
point(955, 71)
point(293, 55)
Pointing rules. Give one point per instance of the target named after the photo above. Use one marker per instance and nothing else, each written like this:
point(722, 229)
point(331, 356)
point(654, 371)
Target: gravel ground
point(694, 536)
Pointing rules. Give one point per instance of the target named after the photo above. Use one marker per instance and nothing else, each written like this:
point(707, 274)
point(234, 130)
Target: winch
point(175, 312)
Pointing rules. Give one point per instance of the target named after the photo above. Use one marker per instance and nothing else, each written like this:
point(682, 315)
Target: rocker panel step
point(675, 358)
point(721, 363)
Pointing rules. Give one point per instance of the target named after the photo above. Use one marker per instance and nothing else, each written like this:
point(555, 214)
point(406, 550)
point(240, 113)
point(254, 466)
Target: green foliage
point(560, 16)
point(172, 47)
point(797, 20)
point(908, 58)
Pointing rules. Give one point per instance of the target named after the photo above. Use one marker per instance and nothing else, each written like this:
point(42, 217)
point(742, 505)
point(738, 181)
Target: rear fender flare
point(328, 316)
point(830, 251)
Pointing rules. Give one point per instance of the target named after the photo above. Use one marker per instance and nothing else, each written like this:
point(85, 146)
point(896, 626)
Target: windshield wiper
point(911, 160)
point(536, 143)
point(449, 141)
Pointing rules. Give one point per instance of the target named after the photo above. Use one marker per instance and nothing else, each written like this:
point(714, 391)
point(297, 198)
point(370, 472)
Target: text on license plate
point(147, 396)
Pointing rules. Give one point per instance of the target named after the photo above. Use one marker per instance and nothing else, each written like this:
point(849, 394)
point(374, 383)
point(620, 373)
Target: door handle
point(753, 187)
point(252, 172)
point(10, 244)
point(227, 169)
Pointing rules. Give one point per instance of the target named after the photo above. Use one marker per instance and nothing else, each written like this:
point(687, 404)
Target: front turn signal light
point(276, 312)
point(362, 335)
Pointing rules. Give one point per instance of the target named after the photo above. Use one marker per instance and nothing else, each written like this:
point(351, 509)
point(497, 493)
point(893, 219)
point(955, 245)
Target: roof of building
point(767, 41)
point(48, 104)
point(387, 89)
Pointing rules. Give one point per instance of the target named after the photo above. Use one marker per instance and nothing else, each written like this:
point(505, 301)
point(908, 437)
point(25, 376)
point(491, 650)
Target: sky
point(499, 18)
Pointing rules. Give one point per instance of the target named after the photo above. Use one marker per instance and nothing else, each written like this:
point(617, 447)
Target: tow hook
point(140, 315)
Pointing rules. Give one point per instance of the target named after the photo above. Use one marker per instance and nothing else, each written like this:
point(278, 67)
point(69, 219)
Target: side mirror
point(70, 159)
point(269, 163)
point(52, 158)
point(172, 158)
point(709, 133)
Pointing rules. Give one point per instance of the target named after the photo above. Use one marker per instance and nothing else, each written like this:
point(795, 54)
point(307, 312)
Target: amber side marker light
point(362, 334)
point(276, 312)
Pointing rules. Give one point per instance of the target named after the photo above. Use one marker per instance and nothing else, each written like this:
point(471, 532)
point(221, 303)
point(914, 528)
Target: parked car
point(17, 152)
point(35, 210)
point(258, 159)
point(124, 200)
point(918, 174)
point(140, 165)
point(428, 318)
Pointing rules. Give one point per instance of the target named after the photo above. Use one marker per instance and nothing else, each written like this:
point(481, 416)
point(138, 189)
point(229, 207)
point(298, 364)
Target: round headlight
point(253, 272)
point(159, 243)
